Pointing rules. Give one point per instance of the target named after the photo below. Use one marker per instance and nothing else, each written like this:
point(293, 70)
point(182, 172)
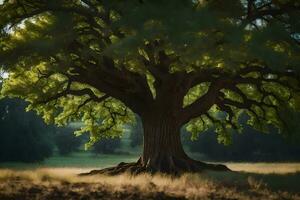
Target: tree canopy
point(101, 61)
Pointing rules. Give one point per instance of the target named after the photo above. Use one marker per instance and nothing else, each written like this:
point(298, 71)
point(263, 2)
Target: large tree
point(172, 62)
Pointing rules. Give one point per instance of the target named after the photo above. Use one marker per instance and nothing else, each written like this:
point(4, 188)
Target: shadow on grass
point(289, 182)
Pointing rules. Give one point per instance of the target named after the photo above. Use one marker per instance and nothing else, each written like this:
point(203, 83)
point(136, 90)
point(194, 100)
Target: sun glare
point(4, 75)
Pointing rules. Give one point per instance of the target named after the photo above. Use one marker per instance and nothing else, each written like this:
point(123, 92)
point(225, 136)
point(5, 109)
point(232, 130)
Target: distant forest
point(24, 137)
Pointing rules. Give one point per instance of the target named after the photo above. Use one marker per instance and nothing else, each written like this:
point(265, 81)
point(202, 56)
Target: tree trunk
point(162, 144)
point(163, 151)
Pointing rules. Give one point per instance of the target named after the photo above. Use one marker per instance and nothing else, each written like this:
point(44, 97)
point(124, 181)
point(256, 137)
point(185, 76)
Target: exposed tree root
point(168, 166)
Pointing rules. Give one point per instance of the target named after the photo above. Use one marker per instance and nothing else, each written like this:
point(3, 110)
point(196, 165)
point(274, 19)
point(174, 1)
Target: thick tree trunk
point(163, 151)
point(162, 144)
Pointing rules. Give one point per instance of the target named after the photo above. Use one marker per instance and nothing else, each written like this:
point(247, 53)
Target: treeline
point(251, 146)
point(24, 137)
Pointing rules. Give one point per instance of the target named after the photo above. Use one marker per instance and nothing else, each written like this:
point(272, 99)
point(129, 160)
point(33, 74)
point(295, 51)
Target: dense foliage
point(107, 146)
point(65, 141)
point(23, 136)
point(86, 57)
point(249, 146)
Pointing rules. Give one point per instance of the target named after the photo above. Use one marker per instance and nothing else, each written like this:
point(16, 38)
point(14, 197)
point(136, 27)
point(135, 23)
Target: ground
point(56, 178)
point(63, 183)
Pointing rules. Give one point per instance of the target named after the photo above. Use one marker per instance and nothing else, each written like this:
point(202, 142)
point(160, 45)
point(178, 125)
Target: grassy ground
point(56, 178)
point(63, 183)
point(78, 160)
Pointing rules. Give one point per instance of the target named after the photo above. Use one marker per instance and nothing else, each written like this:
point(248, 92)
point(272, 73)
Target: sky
point(3, 75)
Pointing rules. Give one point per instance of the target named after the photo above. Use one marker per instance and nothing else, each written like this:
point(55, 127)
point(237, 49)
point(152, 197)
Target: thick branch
point(229, 81)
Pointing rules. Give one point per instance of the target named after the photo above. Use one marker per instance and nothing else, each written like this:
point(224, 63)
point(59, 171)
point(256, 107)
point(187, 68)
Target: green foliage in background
point(23, 136)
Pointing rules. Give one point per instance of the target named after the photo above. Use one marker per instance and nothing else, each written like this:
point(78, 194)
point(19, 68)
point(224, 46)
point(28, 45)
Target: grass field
point(77, 160)
point(56, 178)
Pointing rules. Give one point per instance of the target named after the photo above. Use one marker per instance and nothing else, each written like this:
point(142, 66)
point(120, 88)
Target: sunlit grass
point(60, 173)
point(227, 185)
point(265, 168)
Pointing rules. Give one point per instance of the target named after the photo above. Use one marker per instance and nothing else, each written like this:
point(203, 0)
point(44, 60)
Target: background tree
point(65, 141)
point(107, 146)
point(23, 136)
point(251, 146)
point(174, 63)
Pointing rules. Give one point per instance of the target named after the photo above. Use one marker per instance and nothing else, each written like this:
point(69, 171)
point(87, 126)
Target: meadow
point(57, 178)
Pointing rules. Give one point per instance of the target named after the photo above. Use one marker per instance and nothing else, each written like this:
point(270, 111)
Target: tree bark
point(163, 150)
point(162, 144)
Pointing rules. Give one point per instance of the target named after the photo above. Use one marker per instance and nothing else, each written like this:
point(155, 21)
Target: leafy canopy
point(100, 61)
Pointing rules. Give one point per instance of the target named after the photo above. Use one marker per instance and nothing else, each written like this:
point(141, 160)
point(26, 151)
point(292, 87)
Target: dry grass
point(63, 183)
point(265, 168)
